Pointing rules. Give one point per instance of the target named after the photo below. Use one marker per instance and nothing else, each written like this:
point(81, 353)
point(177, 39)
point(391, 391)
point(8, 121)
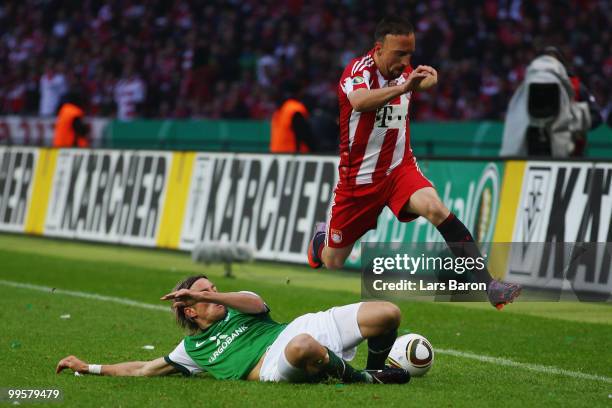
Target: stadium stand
point(227, 59)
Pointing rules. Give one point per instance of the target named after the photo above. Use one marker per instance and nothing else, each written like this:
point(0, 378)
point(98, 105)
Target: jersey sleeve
point(255, 294)
point(356, 77)
point(180, 360)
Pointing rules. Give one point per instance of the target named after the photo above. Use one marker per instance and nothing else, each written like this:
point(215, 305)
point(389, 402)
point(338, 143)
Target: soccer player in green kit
point(231, 336)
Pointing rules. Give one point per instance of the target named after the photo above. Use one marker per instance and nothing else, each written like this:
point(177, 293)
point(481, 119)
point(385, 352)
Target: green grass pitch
point(548, 344)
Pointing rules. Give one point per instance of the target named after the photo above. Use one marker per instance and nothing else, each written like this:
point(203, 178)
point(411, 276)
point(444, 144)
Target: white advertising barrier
point(564, 202)
point(108, 195)
point(268, 201)
point(271, 202)
point(17, 170)
point(36, 131)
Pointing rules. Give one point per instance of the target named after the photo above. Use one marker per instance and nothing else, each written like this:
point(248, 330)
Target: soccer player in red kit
point(377, 167)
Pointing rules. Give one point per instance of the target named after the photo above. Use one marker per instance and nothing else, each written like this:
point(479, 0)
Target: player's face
point(394, 53)
point(208, 311)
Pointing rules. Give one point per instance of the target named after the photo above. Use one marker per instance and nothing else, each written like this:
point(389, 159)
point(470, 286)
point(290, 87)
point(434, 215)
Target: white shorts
point(335, 328)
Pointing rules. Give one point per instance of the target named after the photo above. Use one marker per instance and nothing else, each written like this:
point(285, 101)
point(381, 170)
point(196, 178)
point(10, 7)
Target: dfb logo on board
point(485, 204)
point(538, 182)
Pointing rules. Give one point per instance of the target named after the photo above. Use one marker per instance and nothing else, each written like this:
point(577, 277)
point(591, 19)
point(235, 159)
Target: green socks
point(378, 349)
point(339, 368)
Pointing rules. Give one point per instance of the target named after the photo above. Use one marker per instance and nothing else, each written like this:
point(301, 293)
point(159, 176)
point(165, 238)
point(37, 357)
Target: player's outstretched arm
point(241, 301)
point(151, 368)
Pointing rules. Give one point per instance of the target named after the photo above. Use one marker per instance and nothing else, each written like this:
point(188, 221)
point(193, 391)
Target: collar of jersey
point(204, 333)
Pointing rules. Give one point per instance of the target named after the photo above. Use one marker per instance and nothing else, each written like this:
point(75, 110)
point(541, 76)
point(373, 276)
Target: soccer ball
point(413, 353)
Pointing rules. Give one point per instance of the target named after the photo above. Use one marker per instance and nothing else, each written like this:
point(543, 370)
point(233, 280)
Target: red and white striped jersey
point(371, 143)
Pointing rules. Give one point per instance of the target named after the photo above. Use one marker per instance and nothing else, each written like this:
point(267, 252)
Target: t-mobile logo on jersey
point(392, 116)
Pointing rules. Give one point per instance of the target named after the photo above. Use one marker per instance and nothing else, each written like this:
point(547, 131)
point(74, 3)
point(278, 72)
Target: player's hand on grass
point(72, 363)
point(185, 297)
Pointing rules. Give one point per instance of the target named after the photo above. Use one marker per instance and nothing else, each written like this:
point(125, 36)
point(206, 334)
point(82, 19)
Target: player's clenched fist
point(72, 363)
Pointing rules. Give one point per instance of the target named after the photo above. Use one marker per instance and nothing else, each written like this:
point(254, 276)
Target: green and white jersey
point(229, 348)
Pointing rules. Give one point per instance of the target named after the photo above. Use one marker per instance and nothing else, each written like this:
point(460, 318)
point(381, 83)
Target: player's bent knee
point(333, 262)
point(301, 348)
point(376, 318)
point(393, 315)
point(436, 211)
point(389, 315)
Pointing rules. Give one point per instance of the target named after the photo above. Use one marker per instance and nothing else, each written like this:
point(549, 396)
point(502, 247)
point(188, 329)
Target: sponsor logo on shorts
point(336, 236)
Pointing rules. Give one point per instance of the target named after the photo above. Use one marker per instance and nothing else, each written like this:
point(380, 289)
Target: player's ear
point(190, 312)
point(378, 47)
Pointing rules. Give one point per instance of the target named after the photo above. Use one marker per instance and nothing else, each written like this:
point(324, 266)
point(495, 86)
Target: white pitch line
point(85, 295)
point(485, 359)
point(533, 367)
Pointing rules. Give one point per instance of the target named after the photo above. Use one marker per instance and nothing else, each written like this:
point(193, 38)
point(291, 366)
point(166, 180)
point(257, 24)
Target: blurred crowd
point(231, 59)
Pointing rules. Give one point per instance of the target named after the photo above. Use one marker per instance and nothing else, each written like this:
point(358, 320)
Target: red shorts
point(355, 209)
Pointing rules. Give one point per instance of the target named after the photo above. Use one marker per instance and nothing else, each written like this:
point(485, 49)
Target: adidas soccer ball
point(412, 352)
